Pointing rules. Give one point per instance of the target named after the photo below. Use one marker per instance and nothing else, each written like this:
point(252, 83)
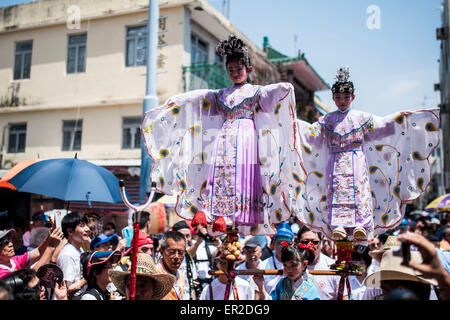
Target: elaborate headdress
point(343, 85)
point(233, 48)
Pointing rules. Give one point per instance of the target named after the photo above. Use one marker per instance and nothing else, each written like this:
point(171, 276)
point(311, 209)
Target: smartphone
point(58, 219)
point(406, 251)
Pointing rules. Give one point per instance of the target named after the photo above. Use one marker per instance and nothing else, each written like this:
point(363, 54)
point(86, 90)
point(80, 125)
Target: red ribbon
point(231, 275)
point(285, 243)
point(307, 246)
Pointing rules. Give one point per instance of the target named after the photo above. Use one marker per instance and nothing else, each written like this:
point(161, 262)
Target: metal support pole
point(151, 98)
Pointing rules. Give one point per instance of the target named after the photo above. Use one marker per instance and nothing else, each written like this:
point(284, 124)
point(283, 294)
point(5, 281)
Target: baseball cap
point(284, 232)
point(252, 243)
point(102, 238)
point(4, 233)
point(405, 222)
point(143, 239)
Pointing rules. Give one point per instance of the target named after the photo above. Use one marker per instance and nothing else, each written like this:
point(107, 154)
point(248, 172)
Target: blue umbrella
point(69, 179)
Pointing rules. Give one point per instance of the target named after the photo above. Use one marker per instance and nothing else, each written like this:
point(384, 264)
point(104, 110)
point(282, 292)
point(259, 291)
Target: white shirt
point(69, 262)
point(328, 286)
point(201, 257)
point(245, 291)
point(374, 266)
point(249, 278)
point(358, 288)
point(183, 269)
point(243, 266)
point(272, 263)
point(371, 293)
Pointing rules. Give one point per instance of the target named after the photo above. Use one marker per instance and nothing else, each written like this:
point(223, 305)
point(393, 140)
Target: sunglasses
point(314, 242)
point(100, 257)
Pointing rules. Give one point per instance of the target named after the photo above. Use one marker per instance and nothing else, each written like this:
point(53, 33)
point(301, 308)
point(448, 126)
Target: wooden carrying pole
point(252, 272)
point(274, 272)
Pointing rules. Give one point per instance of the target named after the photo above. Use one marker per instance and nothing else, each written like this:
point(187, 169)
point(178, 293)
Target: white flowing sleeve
point(279, 159)
point(397, 152)
point(311, 195)
point(179, 137)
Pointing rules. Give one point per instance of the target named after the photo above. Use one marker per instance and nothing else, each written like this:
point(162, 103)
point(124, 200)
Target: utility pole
point(151, 97)
point(226, 8)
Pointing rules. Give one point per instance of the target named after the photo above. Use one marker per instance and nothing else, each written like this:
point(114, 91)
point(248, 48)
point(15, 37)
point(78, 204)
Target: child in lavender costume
point(363, 169)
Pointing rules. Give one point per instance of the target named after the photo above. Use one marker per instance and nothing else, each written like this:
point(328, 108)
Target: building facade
point(72, 75)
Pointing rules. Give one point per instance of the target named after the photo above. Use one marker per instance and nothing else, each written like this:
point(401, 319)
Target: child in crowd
point(297, 284)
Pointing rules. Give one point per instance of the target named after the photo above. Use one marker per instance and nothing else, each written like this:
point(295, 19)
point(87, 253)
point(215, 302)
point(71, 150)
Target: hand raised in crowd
point(259, 281)
point(122, 244)
point(115, 296)
point(61, 291)
point(55, 237)
point(202, 230)
point(431, 265)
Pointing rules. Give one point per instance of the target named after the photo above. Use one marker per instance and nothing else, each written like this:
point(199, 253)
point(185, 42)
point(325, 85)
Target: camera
point(49, 275)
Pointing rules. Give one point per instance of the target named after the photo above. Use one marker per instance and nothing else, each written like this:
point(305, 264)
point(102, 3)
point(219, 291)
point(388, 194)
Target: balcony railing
point(205, 76)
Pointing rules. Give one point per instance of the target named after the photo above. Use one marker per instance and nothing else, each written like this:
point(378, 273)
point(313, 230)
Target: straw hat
point(145, 267)
point(391, 268)
point(391, 242)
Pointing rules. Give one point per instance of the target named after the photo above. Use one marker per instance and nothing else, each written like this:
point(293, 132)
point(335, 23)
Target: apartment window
point(219, 60)
point(17, 137)
point(76, 53)
point(72, 135)
point(131, 133)
point(22, 60)
point(199, 50)
point(136, 52)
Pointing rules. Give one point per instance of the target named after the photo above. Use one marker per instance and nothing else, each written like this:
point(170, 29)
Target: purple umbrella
point(441, 203)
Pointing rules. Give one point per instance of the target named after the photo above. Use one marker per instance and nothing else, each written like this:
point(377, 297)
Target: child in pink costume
point(229, 155)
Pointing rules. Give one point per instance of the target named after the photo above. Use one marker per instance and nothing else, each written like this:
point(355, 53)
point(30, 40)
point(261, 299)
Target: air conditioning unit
point(441, 34)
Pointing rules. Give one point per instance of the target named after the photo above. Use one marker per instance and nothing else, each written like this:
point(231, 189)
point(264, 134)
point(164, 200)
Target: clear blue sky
point(393, 68)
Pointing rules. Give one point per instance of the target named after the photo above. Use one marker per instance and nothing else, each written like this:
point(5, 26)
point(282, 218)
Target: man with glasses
point(328, 286)
point(173, 250)
point(188, 268)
